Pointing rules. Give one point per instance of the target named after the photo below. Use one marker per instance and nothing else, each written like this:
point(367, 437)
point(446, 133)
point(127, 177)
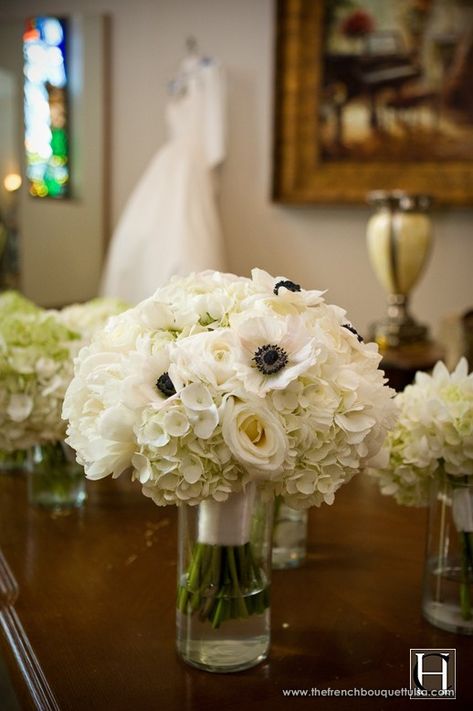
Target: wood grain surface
point(91, 598)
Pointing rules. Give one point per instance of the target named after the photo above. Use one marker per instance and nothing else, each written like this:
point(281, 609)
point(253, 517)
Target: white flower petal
point(19, 407)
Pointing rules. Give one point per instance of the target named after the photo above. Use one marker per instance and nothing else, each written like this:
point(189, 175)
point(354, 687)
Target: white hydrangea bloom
point(36, 352)
point(218, 380)
point(37, 348)
point(434, 434)
point(86, 318)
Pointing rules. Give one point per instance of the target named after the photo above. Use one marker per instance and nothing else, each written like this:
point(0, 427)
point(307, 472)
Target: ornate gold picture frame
point(379, 77)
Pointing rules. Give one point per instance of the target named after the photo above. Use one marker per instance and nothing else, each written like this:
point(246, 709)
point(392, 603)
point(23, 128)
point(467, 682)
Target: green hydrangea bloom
point(36, 353)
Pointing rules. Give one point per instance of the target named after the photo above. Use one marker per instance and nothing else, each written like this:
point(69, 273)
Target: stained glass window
point(46, 106)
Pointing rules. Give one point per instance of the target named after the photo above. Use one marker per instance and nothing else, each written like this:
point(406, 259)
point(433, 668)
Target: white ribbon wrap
point(227, 523)
point(462, 508)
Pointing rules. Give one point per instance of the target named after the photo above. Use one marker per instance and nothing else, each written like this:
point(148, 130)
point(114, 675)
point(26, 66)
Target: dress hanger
point(192, 46)
point(192, 61)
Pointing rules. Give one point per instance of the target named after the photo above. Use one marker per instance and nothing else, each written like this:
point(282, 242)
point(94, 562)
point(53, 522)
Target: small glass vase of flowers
point(428, 461)
point(37, 348)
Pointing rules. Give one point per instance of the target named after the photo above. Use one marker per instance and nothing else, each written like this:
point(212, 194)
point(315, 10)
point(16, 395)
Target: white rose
point(119, 333)
point(255, 436)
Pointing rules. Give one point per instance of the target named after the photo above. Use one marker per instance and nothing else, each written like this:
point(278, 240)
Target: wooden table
point(89, 606)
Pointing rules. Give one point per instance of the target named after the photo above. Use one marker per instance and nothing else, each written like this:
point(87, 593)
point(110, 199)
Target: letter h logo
point(433, 673)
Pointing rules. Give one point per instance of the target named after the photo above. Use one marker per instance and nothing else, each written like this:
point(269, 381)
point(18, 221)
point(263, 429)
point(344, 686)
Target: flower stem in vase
point(462, 512)
point(223, 594)
point(289, 536)
point(55, 480)
point(466, 574)
point(12, 461)
point(218, 581)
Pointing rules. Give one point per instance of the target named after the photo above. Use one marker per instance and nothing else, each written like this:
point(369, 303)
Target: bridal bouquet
point(433, 442)
point(217, 383)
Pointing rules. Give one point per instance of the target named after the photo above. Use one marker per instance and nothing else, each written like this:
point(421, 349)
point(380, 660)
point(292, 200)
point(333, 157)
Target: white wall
point(8, 131)
point(319, 247)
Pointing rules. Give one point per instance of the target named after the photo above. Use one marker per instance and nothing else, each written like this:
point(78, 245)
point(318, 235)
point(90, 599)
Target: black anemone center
point(165, 385)
point(270, 359)
point(289, 285)
point(353, 330)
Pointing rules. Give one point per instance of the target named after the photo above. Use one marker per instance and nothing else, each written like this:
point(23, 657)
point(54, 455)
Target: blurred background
point(126, 53)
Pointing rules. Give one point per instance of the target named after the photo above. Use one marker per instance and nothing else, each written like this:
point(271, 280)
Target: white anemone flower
point(274, 351)
point(281, 294)
point(147, 381)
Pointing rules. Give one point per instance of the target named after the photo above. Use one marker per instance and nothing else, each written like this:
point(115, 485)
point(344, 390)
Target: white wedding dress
point(170, 224)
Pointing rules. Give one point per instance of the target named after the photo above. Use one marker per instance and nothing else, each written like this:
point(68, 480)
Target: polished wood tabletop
point(87, 608)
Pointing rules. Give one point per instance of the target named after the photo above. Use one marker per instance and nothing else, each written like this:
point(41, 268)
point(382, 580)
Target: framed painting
point(373, 94)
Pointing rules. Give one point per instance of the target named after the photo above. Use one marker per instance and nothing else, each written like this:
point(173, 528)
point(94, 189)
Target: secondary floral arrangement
point(433, 442)
point(88, 317)
point(35, 369)
point(215, 385)
point(433, 435)
point(36, 365)
point(12, 302)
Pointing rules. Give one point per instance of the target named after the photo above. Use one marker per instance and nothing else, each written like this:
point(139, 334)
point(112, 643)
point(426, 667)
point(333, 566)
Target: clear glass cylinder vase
point(55, 480)
point(448, 575)
point(224, 575)
point(289, 536)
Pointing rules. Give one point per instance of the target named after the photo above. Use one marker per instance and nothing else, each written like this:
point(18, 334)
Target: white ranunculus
point(119, 333)
point(207, 357)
